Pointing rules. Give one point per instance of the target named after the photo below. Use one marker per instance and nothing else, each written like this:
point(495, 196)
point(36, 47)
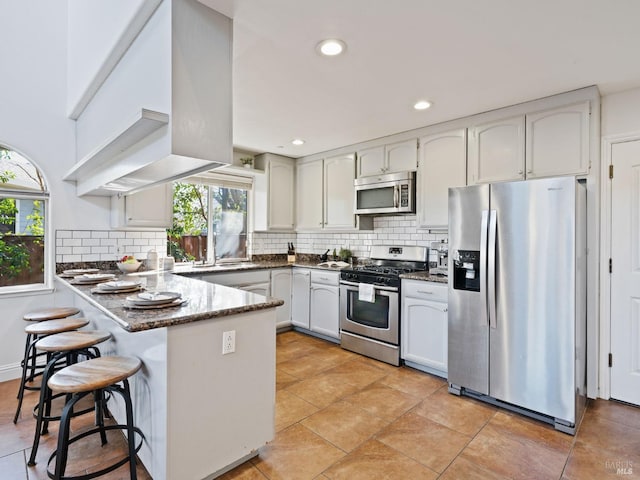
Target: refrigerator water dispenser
point(466, 270)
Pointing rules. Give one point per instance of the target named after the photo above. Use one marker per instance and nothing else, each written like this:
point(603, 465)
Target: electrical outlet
point(228, 342)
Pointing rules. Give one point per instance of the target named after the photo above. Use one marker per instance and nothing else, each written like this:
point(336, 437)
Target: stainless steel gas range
point(370, 301)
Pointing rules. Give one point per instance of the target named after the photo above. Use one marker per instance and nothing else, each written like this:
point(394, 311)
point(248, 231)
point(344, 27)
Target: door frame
point(605, 253)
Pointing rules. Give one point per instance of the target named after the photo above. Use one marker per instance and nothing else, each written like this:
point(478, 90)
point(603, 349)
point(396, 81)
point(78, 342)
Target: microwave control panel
point(404, 195)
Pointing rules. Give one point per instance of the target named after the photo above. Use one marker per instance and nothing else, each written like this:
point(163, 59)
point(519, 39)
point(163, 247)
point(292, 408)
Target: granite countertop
point(425, 276)
point(204, 301)
point(189, 269)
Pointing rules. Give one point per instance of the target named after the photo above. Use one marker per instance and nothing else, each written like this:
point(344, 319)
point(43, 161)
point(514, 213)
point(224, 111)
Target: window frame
point(47, 285)
point(226, 180)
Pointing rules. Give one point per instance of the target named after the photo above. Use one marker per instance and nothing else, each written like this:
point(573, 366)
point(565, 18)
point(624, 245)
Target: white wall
point(621, 113)
point(33, 121)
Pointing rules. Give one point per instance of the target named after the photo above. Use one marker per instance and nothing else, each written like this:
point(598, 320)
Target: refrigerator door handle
point(491, 269)
point(484, 320)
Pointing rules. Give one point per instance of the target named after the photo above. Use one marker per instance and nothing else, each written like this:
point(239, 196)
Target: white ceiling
point(466, 56)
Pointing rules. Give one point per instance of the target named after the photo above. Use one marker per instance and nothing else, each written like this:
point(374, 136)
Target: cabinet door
point(425, 334)
point(324, 311)
point(259, 288)
point(281, 194)
point(151, 208)
point(371, 161)
point(281, 288)
point(300, 297)
point(309, 195)
point(401, 156)
point(496, 151)
point(443, 164)
point(339, 173)
point(558, 141)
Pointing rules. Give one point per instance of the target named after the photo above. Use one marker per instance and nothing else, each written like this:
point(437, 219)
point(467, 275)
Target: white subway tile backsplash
point(400, 230)
point(106, 245)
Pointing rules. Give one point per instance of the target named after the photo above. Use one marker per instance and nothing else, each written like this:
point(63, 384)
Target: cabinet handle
point(425, 292)
point(530, 171)
point(519, 172)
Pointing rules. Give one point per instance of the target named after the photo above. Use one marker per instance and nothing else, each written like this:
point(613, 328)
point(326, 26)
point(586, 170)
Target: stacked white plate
point(92, 278)
point(149, 300)
point(78, 271)
point(117, 286)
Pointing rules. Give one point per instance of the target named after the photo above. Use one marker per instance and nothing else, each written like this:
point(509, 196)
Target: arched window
point(23, 216)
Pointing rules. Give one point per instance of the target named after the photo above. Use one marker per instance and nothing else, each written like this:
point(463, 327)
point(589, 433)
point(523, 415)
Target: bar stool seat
point(95, 376)
point(29, 362)
point(50, 313)
point(34, 332)
point(68, 346)
point(60, 325)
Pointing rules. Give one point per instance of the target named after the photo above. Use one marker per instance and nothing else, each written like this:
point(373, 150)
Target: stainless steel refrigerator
point(517, 297)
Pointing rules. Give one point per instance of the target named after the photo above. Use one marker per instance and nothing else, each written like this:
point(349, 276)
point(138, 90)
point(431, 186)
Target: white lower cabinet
point(315, 303)
point(424, 326)
point(281, 288)
point(300, 297)
point(324, 309)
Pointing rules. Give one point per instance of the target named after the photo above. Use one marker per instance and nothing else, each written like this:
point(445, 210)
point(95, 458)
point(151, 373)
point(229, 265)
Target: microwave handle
point(396, 195)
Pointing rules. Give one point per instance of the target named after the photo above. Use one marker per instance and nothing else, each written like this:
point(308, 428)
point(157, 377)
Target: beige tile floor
point(343, 416)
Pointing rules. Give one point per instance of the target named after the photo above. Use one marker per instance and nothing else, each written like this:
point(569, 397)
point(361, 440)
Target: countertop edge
point(270, 302)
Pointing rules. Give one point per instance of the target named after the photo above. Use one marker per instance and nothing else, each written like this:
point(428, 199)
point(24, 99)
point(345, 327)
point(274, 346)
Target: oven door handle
point(376, 287)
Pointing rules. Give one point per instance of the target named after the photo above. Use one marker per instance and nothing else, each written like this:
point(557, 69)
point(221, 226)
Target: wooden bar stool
point(95, 376)
point(68, 346)
point(41, 315)
point(36, 331)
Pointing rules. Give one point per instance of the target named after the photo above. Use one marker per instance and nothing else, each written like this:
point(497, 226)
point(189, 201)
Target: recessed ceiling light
point(331, 47)
point(422, 105)
point(297, 141)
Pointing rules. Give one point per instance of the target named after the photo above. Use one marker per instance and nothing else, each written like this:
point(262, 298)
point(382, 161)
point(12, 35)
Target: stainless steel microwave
point(388, 193)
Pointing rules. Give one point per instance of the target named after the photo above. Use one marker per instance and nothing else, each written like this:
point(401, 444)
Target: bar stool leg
point(130, 430)
point(62, 450)
point(23, 379)
point(45, 399)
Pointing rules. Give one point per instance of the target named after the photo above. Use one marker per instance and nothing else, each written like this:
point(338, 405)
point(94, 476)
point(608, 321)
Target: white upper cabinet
point(339, 173)
point(558, 141)
point(496, 151)
point(394, 157)
point(274, 193)
point(540, 144)
point(325, 195)
point(402, 156)
point(309, 195)
point(443, 164)
point(151, 208)
point(371, 161)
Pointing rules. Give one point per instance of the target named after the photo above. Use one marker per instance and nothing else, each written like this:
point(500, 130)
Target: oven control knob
point(381, 280)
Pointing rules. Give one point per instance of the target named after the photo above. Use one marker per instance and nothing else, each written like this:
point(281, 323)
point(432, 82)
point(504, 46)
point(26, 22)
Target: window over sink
point(23, 224)
point(210, 218)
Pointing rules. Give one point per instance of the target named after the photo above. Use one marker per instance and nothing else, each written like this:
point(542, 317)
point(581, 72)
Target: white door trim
point(605, 253)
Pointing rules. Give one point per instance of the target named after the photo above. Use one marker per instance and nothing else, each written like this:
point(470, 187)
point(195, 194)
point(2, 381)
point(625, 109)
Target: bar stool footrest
point(93, 431)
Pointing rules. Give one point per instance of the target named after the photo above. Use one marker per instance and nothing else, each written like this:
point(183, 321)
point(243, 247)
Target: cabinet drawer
point(325, 278)
point(425, 290)
point(236, 279)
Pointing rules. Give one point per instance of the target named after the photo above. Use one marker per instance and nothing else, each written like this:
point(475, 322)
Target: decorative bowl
point(128, 267)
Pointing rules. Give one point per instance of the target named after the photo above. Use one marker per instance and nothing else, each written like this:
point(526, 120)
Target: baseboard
point(10, 371)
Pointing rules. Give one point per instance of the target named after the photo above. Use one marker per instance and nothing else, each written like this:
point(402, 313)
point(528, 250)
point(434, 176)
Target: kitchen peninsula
point(202, 412)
